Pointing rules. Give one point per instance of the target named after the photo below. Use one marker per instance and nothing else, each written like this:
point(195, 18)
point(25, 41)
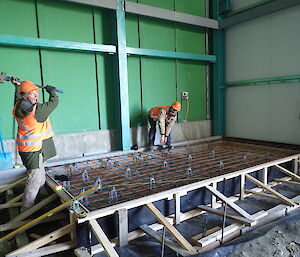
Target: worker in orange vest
point(34, 138)
point(166, 117)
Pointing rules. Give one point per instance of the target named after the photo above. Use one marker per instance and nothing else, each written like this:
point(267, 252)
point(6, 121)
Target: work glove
point(26, 105)
point(49, 88)
point(15, 81)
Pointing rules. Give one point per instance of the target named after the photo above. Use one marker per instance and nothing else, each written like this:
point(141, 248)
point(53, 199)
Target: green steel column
point(218, 76)
point(123, 101)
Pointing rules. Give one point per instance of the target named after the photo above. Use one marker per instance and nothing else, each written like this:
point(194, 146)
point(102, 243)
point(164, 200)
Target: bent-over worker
point(166, 117)
point(34, 138)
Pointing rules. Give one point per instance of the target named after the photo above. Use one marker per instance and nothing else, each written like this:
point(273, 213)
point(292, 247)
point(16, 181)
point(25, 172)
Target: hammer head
point(2, 78)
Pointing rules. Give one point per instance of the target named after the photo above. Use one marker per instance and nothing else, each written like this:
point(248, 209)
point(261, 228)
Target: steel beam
point(54, 44)
point(170, 54)
point(258, 11)
point(123, 105)
point(264, 81)
point(160, 13)
point(110, 4)
point(218, 77)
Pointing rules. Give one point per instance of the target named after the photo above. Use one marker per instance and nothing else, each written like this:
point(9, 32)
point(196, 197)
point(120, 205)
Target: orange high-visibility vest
point(153, 113)
point(31, 133)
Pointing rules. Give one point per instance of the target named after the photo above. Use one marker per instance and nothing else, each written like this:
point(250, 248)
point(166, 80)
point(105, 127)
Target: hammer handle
point(56, 90)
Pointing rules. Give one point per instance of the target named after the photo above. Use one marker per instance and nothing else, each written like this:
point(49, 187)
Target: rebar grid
point(131, 176)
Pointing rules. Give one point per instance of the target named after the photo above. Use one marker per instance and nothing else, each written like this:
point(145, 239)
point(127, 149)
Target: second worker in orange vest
point(34, 137)
point(166, 117)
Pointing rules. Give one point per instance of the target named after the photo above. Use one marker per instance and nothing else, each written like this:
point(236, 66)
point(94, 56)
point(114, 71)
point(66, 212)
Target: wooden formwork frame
point(21, 223)
point(184, 247)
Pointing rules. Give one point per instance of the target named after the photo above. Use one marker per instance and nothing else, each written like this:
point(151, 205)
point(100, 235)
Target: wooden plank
point(20, 181)
point(239, 219)
point(169, 243)
point(72, 217)
point(265, 176)
point(36, 236)
point(16, 199)
point(262, 194)
point(177, 213)
point(295, 183)
point(266, 187)
point(47, 250)
point(242, 186)
point(102, 238)
point(51, 218)
point(33, 209)
point(9, 205)
point(208, 232)
point(229, 202)
point(43, 240)
point(289, 173)
point(182, 241)
point(213, 198)
point(123, 227)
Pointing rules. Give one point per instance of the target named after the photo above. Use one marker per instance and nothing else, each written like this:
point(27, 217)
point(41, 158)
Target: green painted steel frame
point(264, 81)
point(169, 54)
point(54, 44)
point(124, 124)
point(218, 76)
point(31, 42)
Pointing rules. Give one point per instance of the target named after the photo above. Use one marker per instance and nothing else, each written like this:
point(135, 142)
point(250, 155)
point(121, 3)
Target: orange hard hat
point(176, 106)
point(28, 86)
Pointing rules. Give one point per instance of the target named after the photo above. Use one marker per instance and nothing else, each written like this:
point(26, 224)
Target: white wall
point(262, 48)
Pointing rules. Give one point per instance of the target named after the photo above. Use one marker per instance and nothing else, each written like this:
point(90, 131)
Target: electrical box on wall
point(185, 95)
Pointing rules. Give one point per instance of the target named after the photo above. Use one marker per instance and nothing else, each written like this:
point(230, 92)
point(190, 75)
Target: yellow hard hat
point(28, 86)
point(176, 106)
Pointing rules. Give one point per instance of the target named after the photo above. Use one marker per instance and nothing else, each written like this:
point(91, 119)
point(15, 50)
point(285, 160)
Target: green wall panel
point(157, 34)
point(71, 71)
point(103, 26)
point(191, 78)
point(18, 17)
point(20, 62)
point(165, 4)
point(65, 21)
point(190, 39)
point(158, 82)
point(75, 74)
point(104, 35)
point(132, 31)
point(106, 91)
point(138, 115)
point(193, 7)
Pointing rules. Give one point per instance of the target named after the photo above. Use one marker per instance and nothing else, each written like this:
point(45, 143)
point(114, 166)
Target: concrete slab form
point(141, 178)
point(132, 176)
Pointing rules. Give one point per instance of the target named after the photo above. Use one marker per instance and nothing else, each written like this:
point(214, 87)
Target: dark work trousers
point(152, 132)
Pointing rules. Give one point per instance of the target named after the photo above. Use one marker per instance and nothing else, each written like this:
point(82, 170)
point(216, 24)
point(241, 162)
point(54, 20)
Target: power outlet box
point(184, 95)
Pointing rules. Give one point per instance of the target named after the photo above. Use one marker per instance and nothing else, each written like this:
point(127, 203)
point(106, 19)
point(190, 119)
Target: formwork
point(205, 172)
point(116, 198)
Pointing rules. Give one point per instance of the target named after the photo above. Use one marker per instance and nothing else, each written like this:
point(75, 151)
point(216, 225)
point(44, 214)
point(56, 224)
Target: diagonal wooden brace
point(230, 203)
point(162, 219)
point(289, 173)
point(278, 195)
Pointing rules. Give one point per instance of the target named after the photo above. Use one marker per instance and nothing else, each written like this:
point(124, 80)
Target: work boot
point(150, 147)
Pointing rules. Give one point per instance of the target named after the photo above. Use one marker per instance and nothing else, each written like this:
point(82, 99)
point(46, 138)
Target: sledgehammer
point(5, 78)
